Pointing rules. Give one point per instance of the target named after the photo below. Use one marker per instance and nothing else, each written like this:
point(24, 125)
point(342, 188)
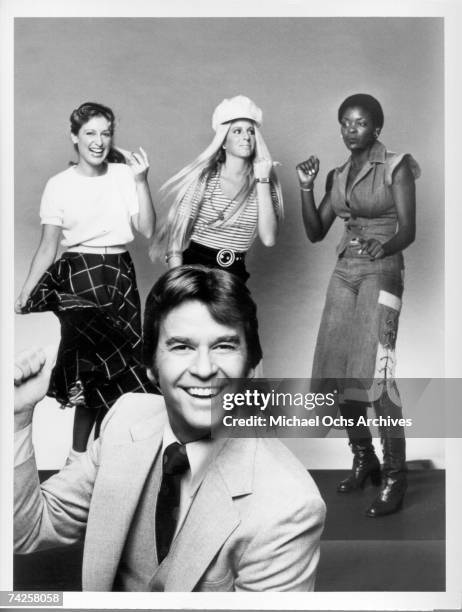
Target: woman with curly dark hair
point(93, 206)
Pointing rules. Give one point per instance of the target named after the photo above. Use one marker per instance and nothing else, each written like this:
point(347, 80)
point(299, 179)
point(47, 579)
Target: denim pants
point(355, 349)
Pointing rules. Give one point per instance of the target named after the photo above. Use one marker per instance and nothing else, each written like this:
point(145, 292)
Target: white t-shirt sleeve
point(51, 206)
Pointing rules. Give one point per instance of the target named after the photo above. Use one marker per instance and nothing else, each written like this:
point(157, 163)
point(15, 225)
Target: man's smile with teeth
point(202, 391)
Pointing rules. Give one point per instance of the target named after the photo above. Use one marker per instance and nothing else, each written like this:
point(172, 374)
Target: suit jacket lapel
point(212, 516)
point(210, 521)
point(115, 498)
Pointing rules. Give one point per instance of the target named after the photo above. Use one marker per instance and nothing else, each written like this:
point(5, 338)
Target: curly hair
point(82, 115)
point(366, 102)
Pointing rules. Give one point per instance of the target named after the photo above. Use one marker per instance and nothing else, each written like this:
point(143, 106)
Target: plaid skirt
point(96, 300)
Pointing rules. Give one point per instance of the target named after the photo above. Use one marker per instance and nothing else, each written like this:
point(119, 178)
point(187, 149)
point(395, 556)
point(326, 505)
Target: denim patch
point(388, 329)
point(385, 364)
point(388, 299)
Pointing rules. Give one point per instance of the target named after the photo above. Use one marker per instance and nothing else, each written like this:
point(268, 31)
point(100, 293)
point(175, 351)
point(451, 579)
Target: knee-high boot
point(394, 470)
point(365, 462)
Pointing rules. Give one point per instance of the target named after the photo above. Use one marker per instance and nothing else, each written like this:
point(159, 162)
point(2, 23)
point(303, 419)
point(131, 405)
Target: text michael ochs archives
point(260, 409)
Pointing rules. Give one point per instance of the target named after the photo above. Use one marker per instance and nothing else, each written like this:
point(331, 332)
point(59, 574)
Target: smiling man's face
point(197, 361)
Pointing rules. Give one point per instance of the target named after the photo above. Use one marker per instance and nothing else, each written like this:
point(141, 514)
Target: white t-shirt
point(92, 211)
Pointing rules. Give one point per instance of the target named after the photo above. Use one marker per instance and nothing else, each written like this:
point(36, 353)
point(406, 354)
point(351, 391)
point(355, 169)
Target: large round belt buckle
point(226, 258)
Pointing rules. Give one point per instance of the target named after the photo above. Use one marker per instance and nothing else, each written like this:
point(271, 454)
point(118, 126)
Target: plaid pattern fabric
point(96, 300)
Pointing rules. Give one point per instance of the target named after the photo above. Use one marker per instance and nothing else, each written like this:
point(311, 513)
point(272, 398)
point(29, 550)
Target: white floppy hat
point(239, 107)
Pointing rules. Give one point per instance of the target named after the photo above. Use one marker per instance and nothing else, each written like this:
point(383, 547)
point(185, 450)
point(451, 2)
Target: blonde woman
point(227, 196)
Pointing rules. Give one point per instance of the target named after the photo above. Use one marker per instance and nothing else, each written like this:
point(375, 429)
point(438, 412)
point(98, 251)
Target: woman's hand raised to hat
point(138, 162)
point(262, 167)
point(307, 171)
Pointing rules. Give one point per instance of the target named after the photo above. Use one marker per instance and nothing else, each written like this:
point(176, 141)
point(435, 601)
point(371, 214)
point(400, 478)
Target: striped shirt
point(215, 207)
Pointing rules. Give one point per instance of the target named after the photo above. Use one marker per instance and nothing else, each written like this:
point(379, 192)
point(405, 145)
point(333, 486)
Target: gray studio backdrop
point(163, 78)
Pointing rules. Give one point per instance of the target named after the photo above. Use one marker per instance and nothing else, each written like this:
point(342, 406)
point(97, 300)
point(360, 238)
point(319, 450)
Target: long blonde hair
point(187, 188)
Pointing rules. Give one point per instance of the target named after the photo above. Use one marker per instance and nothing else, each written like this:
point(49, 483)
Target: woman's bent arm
point(145, 220)
point(267, 224)
point(174, 260)
point(42, 260)
point(317, 221)
point(174, 256)
point(403, 189)
point(267, 219)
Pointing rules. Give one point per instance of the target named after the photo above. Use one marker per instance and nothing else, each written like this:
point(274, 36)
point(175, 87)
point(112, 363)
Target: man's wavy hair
point(225, 295)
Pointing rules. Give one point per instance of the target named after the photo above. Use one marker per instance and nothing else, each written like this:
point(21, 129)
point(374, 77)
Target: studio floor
point(401, 552)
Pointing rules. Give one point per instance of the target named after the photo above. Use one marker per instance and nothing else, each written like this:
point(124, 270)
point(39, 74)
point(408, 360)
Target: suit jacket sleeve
point(54, 513)
point(284, 554)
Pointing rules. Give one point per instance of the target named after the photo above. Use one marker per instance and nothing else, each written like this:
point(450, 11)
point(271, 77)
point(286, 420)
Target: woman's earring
point(224, 147)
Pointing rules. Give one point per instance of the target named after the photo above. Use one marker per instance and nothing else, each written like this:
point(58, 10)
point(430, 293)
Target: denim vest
point(367, 207)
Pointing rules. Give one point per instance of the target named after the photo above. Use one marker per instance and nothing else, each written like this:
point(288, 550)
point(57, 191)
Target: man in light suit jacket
point(249, 517)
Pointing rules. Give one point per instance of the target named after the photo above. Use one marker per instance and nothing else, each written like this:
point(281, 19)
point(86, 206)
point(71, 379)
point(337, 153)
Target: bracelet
point(305, 188)
point(266, 179)
point(171, 254)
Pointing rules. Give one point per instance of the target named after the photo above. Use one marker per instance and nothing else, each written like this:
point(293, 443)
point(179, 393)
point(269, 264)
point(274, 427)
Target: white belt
point(104, 250)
